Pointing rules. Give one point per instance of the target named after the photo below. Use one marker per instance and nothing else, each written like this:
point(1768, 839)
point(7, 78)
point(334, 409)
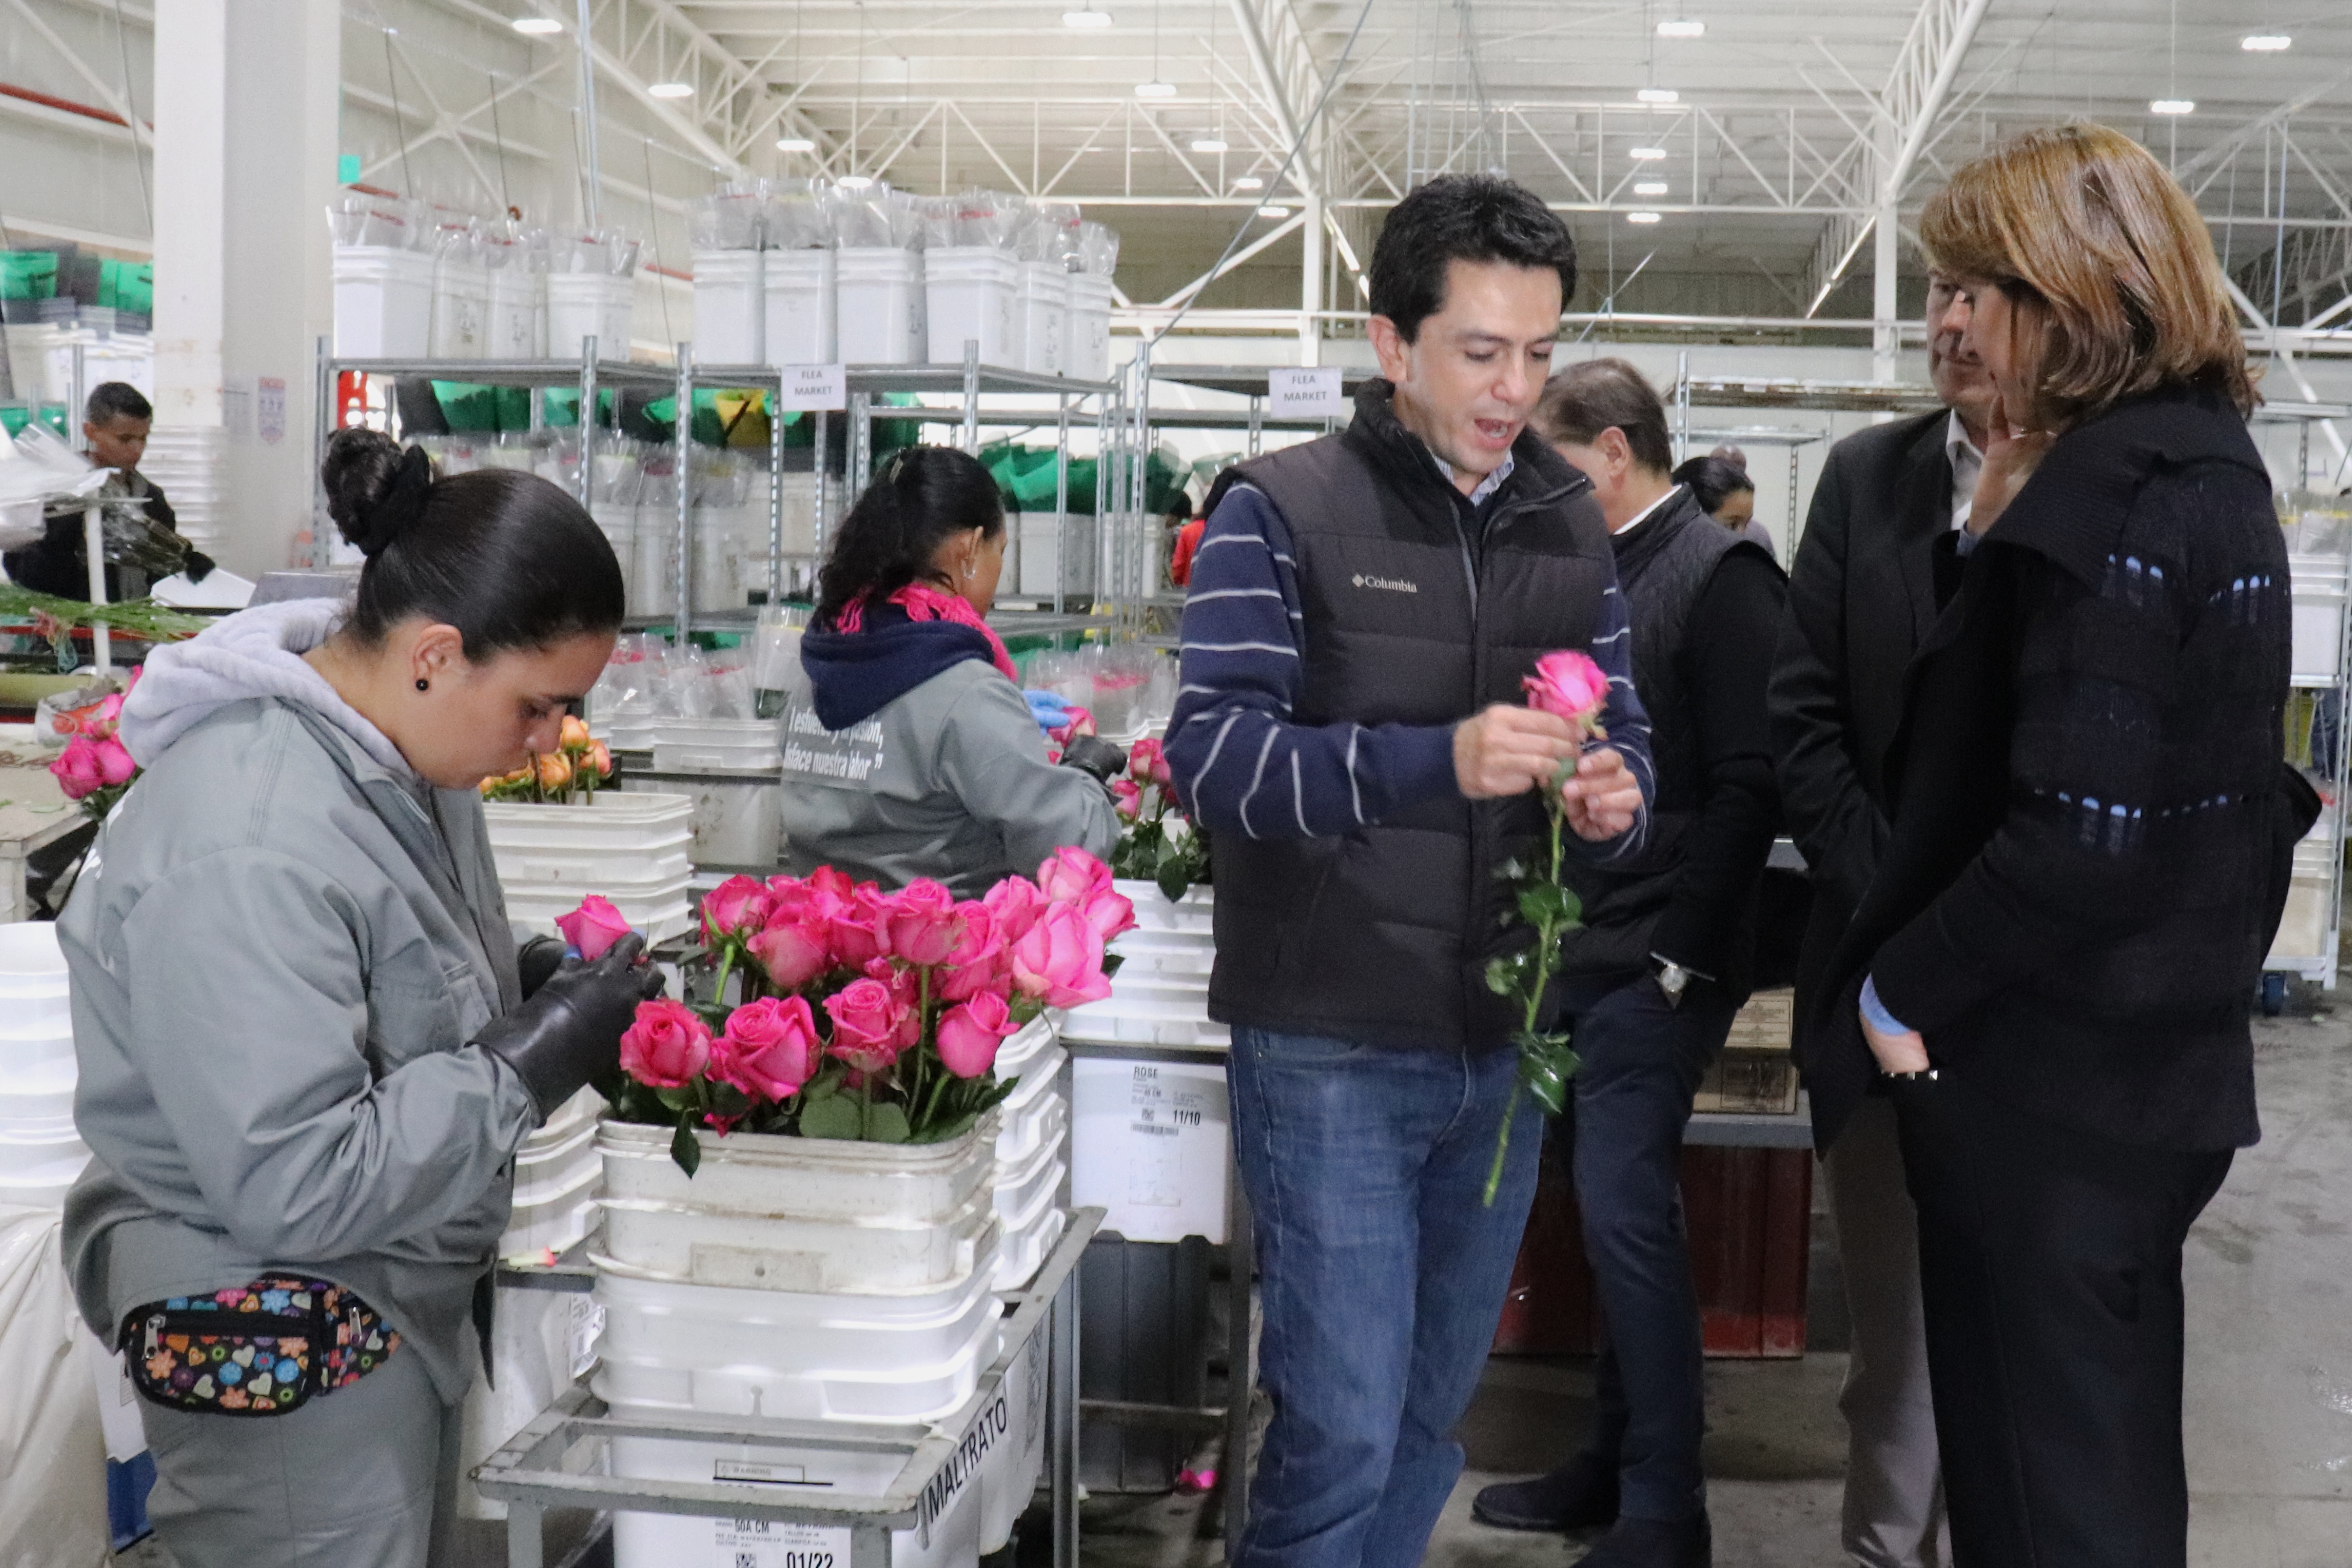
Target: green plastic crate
point(469, 409)
point(29, 274)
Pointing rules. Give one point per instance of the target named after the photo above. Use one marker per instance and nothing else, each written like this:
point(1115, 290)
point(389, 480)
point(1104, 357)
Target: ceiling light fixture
point(1641, 218)
point(1209, 144)
point(1155, 89)
point(794, 144)
point(2172, 106)
point(1089, 17)
point(1249, 183)
point(540, 26)
point(1682, 28)
point(1273, 209)
point(1646, 154)
point(2265, 43)
point(1657, 95)
point(1649, 188)
point(855, 182)
point(671, 89)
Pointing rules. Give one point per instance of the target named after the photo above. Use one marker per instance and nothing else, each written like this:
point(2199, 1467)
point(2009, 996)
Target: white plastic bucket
point(969, 292)
point(782, 1354)
point(1030, 1115)
point(1085, 343)
point(692, 745)
point(1024, 1046)
point(1044, 307)
point(880, 314)
point(1029, 1237)
point(800, 289)
point(683, 1540)
point(1152, 1144)
point(730, 308)
point(789, 1253)
point(1192, 915)
point(383, 302)
point(461, 310)
point(661, 911)
point(585, 304)
point(44, 1187)
point(1040, 1171)
point(617, 830)
point(517, 317)
point(763, 1174)
point(540, 1340)
point(1010, 1471)
point(25, 1155)
point(37, 1102)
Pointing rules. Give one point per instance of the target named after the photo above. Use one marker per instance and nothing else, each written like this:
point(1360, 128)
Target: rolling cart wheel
point(2273, 994)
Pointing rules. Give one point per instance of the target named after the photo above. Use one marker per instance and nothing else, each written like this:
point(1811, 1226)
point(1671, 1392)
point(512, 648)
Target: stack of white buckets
point(633, 848)
point(1151, 1143)
point(883, 305)
point(40, 1154)
point(816, 1281)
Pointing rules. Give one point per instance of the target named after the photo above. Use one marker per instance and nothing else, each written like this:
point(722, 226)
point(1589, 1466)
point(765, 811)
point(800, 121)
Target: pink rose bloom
point(769, 1049)
point(668, 1047)
point(594, 927)
point(1070, 875)
point(969, 1034)
point(1014, 905)
point(1059, 961)
point(979, 963)
point(115, 766)
point(1128, 796)
point(861, 930)
point(795, 946)
point(867, 1025)
point(1568, 684)
point(922, 923)
point(736, 905)
point(84, 766)
point(906, 996)
point(1147, 761)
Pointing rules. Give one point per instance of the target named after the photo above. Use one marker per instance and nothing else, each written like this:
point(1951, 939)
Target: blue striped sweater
point(1243, 766)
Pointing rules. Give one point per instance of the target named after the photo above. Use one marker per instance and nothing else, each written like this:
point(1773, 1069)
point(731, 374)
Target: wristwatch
point(1673, 980)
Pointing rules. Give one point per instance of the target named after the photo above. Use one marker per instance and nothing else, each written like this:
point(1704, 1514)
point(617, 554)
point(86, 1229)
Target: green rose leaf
point(683, 1147)
point(887, 1123)
point(835, 1116)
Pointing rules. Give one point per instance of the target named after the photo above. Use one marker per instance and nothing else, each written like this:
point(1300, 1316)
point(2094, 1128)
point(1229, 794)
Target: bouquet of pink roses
point(1156, 842)
point(859, 1013)
point(95, 769)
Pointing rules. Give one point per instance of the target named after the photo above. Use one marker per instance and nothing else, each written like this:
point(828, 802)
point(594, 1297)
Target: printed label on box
point(269, 408)
point(1163, 1109)
point(814, 389)
point(1312, 393)
point(771, 1543)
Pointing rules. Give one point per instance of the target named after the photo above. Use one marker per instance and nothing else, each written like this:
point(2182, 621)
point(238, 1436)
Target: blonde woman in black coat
point(2091, 844)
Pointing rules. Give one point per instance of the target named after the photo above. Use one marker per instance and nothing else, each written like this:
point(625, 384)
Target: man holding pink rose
point(1352, 729)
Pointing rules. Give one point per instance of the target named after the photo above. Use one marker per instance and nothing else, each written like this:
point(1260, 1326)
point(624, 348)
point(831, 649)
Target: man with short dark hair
point(1861, 601)
point(1665, 958)
point(115, 424)
point(1351, 726)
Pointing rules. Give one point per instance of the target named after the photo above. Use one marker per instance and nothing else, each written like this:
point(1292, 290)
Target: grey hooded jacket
point(279, 950)
point(948, 781)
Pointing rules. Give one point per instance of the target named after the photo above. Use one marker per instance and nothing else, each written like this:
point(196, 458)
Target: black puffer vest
point(1663, 567)
point(1414, 615)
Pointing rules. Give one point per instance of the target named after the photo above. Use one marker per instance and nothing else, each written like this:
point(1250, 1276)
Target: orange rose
point(575, 735)
point(555, 771)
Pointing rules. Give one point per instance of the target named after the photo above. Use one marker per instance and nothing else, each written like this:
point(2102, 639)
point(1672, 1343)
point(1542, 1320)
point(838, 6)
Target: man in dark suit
point(1861, 600)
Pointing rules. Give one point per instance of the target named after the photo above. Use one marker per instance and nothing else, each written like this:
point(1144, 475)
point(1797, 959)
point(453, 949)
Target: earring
point(423, 684)
point(971, 569)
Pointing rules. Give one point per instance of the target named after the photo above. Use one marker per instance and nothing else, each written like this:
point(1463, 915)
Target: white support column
point(1310, 285)
point(246, 140)
point(1885, 330)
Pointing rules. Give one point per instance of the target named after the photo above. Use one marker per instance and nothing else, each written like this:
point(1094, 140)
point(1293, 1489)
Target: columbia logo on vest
point(1388, 585)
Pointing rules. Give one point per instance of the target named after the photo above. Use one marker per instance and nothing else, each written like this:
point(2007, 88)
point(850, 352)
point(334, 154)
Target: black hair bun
point(375, 489)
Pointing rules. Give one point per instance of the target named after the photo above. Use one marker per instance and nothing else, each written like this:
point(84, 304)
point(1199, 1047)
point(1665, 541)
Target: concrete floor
point(2269, 1386)
point(2268, 1389)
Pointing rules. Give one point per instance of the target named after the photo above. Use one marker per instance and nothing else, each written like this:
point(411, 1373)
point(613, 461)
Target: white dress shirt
point(1967, 464)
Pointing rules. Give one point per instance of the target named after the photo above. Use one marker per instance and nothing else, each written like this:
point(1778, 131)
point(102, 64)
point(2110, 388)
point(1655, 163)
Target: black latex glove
point(569, 1033)
point(539, 958)
point(198, 565)
point(1094, 755)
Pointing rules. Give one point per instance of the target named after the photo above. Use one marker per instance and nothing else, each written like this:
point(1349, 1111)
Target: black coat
point(59, 565)
point(2092, 831)
point(1862, 598)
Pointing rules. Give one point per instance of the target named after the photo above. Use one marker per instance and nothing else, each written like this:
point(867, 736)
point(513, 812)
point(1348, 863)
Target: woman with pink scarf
point(909, 749)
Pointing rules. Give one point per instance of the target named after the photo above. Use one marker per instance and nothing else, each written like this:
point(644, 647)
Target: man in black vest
point(1666, 956)
point(1860, 601)
point(1351, 727)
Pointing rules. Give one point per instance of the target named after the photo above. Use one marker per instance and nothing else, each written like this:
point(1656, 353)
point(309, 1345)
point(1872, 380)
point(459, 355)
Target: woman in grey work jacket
point(308, 1042)
point(908, 748)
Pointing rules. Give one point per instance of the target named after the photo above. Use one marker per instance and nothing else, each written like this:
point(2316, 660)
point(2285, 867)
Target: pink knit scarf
point(924, 603)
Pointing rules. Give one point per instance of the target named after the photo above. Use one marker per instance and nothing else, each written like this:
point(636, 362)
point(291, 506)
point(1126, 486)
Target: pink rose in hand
point(1059, 961)
point(1147, 761)
point(922, 923)
point(1128, 796)
point(1014, 904)
point(89, 765)
point(769, 1049)
point(969, 1035)
point(980, 963)
point(868, 1026)
point(735, 906)
point(594, 927)
point(1569, 685)
point(668, 1047)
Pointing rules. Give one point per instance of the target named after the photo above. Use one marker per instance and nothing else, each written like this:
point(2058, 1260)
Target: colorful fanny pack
point(261, 1349)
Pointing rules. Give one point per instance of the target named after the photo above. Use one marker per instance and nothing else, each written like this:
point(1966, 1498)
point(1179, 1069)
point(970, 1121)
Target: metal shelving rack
point(969, 383)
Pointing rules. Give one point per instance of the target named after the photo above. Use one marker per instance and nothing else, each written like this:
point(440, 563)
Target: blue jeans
point(1381, 1275)
point(1641, 1064)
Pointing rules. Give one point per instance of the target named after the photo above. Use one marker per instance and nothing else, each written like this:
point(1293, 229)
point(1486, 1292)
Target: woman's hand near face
point(2011, 457)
